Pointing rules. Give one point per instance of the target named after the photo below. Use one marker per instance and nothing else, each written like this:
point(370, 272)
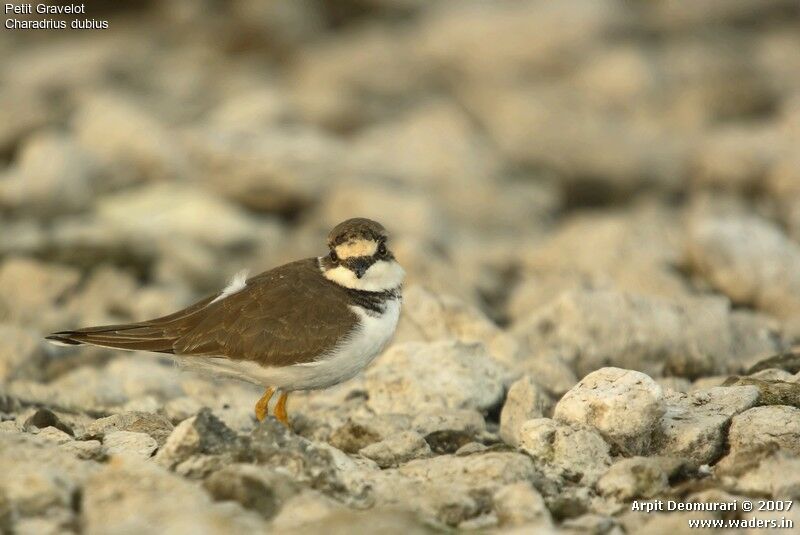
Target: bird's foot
point(262, 406)
point(280, 409)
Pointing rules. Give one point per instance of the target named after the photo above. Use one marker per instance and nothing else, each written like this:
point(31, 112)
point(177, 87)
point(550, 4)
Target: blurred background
point(194, 138)
point(638, 157)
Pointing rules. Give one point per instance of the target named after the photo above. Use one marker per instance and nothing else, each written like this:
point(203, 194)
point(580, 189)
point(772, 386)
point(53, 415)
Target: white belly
point(344, 362)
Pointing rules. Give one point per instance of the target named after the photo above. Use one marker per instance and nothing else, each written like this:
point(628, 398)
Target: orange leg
point(262, 405)
point(280, 409)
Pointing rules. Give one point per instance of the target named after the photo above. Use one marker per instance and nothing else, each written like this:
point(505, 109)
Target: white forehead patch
point(356, 248)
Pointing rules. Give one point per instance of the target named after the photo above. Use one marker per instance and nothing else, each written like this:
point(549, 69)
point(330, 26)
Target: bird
point(306, 325)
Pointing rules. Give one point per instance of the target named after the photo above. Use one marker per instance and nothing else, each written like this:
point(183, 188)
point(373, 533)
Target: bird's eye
point(334, 256)
point(382, 249)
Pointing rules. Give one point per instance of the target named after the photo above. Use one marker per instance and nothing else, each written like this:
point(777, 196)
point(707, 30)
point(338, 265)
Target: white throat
point(381, 276)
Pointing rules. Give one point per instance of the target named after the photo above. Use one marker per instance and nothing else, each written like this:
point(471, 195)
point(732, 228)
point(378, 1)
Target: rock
point(435, 375)
point(352, 437)
point(309, 464)
point(85, 449)
point(460, 171)
point(636, 477)
point(29, 289)
point(97, 390)
point(471, 448)
point(762, 429)
point(51, 434)
point(625, 406)
point(594, 328)
point(573, 453)
point(128, 495)
point(203, 434)
point(447, 430)
point(525, 400)
point(526, 37)
point(539, 110)
point(591, 523)
point(427, 316)
point(788, 361)
point(461, 421)
point(471, 480)
point(178, 211)
point(154, 425)
point(341, 521)
point(361, 74)
point(627, 252)
point(771, 392)
point(256, 489)
point(397, 449)
point(53, 175)
point(129, 141)
point(520, 504)
point(550, 371)
point(22, 112)
point(274, 170)
point(773, 475)
point(308, 507)
point(44, 418)
point(695, 425)
point(39, 477)
point(129, 443)
point(749, 259)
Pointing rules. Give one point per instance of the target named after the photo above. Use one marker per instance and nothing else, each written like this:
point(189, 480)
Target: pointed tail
point(132, 337)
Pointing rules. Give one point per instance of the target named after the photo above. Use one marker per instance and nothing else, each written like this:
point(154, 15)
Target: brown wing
point(284, 316)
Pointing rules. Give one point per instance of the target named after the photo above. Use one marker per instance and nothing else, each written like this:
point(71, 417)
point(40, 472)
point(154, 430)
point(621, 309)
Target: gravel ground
point(597, 204)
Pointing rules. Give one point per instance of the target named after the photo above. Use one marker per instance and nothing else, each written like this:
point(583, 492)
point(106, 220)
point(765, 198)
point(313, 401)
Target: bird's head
point(359, 257)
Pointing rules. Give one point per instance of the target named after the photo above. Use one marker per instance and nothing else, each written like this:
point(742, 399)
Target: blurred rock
point(581, 152)
point(153, 425)
point(256, 489)
point(169, 212)
point(127, 496)
point(637, 477)
point(345, 83)
point(428, 317)
point(521, 36)
point(273, 171)
point(625, 406)
point(453, 489)
point(525, 401)
point(53, 175)
point(632, 252)
point(139, 445)
point(736, 159)
point(590, 329)
point(22, 112)
point(30, 290)
point(40, 478)
point(397, 449)
point(130, 142)
point(750, 260)
point(520, 504)
point(773, 475)
point(21, 353)
point(576, 454)
point(426, 376)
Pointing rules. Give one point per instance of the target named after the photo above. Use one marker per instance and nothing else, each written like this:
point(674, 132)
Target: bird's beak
point(360, 267)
